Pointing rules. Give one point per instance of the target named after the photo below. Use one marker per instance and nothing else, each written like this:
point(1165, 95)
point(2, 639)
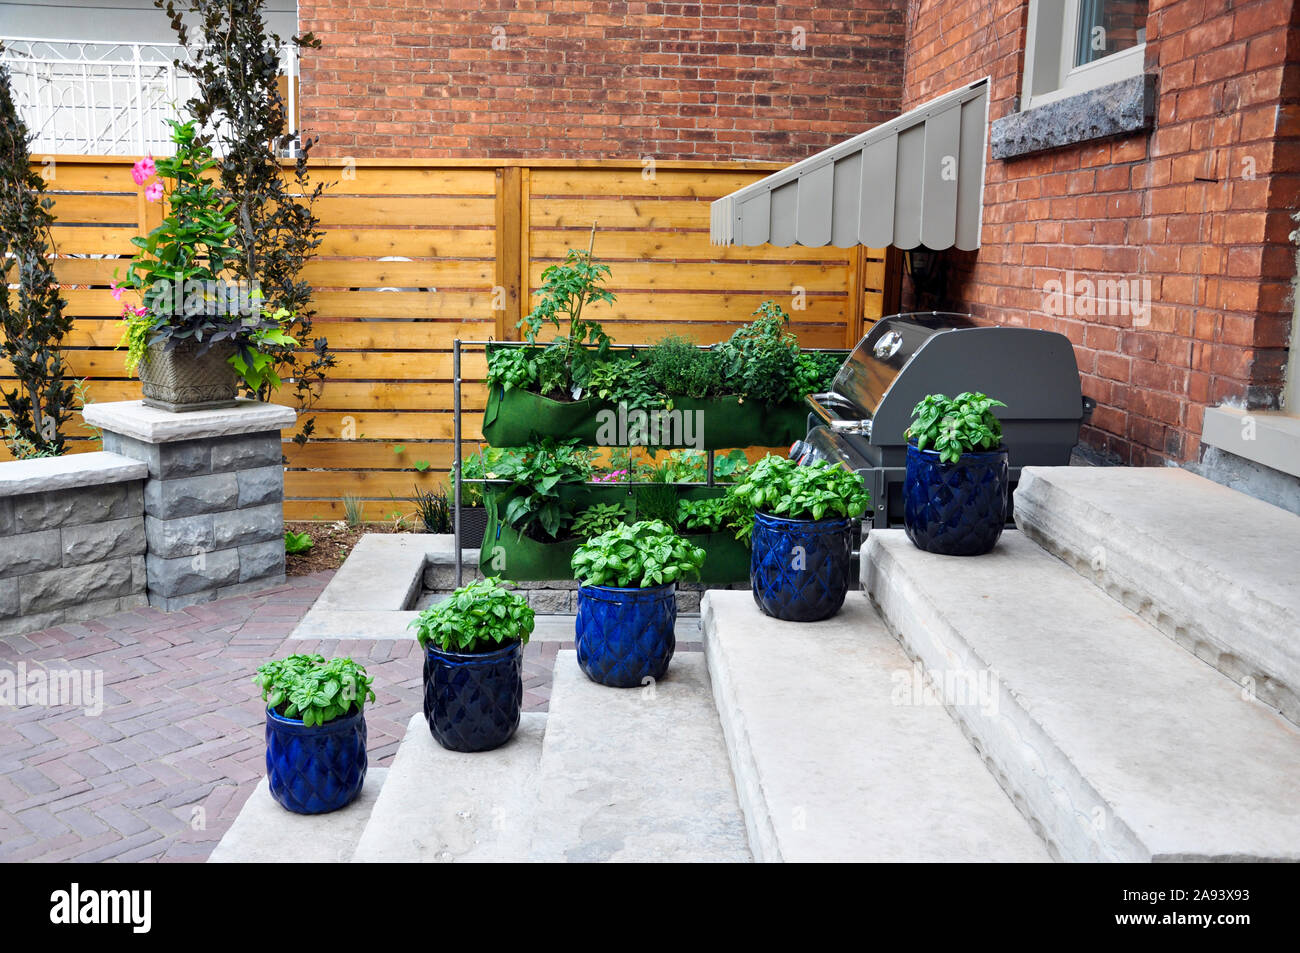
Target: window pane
point(1109, 26)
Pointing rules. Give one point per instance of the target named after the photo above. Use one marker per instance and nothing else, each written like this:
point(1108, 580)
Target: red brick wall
point(1178, 207)
point(592, 79)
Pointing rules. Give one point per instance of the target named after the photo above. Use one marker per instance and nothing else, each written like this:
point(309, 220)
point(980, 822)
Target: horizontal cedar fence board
point(613, 246)
point(406, 210)
point(713, 276)
point(623, 183)
point(392, 386)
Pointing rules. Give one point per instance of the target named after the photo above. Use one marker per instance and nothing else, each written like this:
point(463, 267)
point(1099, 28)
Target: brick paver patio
point(161, 773)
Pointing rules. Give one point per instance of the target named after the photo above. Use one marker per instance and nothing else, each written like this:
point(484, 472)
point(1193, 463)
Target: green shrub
point(434, 509)
point(479, 617)
point(637, 556)
point(310, 688)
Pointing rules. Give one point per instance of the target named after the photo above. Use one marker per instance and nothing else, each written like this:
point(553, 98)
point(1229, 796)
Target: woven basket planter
point(181, 379)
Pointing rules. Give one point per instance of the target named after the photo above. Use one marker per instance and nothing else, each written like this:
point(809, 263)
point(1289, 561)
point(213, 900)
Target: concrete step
point(440, 805)
point(636, 774)
point(265, 833)
point(1216, 570)
point(839, 754)
point(1116, 742)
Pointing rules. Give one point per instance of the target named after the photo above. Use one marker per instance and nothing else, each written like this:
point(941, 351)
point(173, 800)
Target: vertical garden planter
point(472, 700)
point(625, 636)
point(955, 509)
point(800, 569)
point(317, 769)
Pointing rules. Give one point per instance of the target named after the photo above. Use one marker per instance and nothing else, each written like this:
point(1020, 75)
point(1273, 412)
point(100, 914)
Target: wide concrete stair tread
point(265, 833)
point(438, 805)
point(836, 757)
point(636, 774)
point(1118, 743)
point(1211, 567)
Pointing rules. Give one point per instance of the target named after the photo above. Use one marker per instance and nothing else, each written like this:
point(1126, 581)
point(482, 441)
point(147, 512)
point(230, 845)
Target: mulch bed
point(333, 542)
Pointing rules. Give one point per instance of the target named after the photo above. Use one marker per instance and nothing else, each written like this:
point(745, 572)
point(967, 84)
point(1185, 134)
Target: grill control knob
point(888, 345)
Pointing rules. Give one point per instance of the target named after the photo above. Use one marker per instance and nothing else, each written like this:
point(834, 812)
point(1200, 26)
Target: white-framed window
point(1073, 46)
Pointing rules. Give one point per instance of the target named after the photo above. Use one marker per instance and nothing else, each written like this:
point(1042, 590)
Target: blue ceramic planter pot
point(472, 700)
point(955, 509)
point(318, 769)
point(625, 636)
point(800, 569)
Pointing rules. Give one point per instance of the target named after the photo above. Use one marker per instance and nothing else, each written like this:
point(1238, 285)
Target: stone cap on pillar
point(131, 418)
point(68, 472)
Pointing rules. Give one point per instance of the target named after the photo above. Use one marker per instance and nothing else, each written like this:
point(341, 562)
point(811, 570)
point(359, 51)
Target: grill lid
point(879, 357)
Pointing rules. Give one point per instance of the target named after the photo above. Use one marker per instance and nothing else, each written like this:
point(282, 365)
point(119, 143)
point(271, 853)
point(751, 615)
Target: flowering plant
point(180, 269)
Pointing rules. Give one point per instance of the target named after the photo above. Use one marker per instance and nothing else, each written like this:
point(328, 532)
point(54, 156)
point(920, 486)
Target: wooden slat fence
point(418, 253)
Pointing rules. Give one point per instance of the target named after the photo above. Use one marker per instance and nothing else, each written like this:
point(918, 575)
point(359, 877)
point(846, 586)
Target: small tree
point(31, 315)
point(236, 65)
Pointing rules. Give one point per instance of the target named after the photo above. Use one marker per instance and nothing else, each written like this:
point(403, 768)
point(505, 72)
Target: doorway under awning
point(917, 180)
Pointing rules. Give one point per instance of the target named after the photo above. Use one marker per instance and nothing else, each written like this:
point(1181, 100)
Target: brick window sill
point(1120, 108)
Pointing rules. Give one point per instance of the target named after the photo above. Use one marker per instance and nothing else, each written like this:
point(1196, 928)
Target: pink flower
point(116, 291)
point(139, 311)
point(154, 192)
point(143, 170)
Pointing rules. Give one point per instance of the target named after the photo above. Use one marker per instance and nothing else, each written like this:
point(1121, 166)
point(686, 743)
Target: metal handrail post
point(455, 452)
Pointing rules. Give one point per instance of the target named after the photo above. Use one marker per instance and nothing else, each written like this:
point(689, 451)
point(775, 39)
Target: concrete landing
point(837, 752)
point(1216, 570)
point(440, 806)
point(265, 833)
point(636, 774)
point(1119, 744)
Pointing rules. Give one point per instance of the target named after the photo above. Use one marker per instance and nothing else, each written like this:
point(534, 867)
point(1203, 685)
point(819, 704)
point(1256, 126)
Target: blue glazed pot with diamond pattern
point(625, 636)
point(800, 569)
point(955, 509)
point(472, 699)
point(318, 769)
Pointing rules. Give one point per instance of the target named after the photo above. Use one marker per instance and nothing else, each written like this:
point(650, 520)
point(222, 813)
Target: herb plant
point(637, 556)
point(780, 487)
point(679, 368)
point(310, 688)
point(566, 289)
point(624, 380)
point(963, 424)
point(599, 518)
point(511, 367)
point(534, 504)
point(814, 372)
point(295, 543)
point(759, 361)
point(482, 616)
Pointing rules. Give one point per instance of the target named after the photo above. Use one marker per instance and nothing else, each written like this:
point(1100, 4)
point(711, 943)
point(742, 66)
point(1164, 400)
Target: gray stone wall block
point(73, 507)
point(18, 625)
point(102, 607)
point(57, 588)
point(261, 485)
point(191, 496)
point(191, 574)
point(30, 552)
point(551, 600)
point(257, 524)
point(184, 536)
point(6, 517)
point(96, 542)
point(9, 603)
point(184, 458)
point(247, 452)
point(146, 453)
point(259, 560)
point(175, 603)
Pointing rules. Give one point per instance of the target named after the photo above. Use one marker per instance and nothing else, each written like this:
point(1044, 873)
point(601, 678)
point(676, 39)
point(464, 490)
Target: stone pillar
point(214, 498)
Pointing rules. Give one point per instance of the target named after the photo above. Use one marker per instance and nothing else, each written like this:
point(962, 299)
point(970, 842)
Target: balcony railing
point(93, 98)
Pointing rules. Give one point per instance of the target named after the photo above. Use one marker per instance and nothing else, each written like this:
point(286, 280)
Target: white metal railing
point(95, 98)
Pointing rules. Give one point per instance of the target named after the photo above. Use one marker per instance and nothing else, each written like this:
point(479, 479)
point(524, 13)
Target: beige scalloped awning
point(915, 180)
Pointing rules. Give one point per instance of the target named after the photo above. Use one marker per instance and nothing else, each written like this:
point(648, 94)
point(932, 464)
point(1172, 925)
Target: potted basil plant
point(627, 607)
point(801, 546)
point(955, 489)
point(194, 335)
point(315, 731)
point(473, 665)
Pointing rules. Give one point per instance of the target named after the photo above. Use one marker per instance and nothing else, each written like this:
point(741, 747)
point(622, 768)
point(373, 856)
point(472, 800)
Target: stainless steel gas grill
point(861, 421)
